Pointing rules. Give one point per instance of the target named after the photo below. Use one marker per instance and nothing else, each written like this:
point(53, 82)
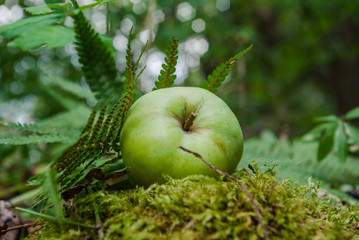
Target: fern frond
point(102, 131)
point(297, 161)
point(99, 124)
point(63, 128)
point(113, 122)
point(106, 127)
point(65, 159)
point(33, 139)
point(90, 120)
point(98, 64)
point(167, 76)
point(128, 97)
point(214, 81)
point(70, 156)
point(79, 174)
point(39, 129)
point(130, 70)
point(89, 146)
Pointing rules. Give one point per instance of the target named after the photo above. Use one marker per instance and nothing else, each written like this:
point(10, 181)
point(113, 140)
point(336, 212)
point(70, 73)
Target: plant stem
point(19, 227)
point(189, 121)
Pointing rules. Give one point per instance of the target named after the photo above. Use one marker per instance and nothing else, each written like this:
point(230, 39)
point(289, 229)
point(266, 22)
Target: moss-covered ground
point(200, 207)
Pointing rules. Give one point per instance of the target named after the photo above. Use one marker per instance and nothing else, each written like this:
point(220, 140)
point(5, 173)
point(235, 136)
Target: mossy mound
point(200, 207)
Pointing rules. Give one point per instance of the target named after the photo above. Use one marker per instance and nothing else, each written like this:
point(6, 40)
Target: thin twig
point(109, 153)
point(256, 209)
point(20, 226)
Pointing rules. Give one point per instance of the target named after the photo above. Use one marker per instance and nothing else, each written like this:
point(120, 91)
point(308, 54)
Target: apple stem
point(189, 122)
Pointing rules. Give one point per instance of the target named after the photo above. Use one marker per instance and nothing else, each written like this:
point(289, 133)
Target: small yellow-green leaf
point(38, 10)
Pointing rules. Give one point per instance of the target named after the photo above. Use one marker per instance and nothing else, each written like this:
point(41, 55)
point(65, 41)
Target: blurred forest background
point(304, 62)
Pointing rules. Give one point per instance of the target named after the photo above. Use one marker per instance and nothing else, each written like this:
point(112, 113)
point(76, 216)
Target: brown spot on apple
point(221, 147)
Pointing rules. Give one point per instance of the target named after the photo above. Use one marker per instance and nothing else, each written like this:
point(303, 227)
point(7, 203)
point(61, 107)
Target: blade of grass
point(52, 218)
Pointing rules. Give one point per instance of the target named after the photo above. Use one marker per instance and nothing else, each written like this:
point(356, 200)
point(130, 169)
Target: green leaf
point(23, 25)
point(354, 113)
point(329, 118)
point(352, 132)
point(316, 132)
point(341, 142)
point(38, 10)
point(52, 36)
point(326, 143)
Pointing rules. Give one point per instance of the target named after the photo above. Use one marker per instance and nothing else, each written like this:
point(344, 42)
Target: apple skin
point(152, 133)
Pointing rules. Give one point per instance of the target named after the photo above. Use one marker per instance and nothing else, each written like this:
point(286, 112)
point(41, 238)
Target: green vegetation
point(333, 131)
point(199, 207)
point(69, 82)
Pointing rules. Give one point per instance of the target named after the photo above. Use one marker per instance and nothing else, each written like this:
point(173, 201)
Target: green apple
point(161, 121)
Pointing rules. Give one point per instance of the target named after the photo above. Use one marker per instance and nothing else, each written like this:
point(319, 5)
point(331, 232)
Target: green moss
point(200, 207)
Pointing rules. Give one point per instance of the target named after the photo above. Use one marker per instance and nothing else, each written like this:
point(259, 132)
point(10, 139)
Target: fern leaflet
point(98, 64)
point(167, 76)
point(216, 78)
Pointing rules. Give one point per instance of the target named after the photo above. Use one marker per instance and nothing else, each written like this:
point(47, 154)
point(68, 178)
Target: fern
point(85, 146)
point(98, 64)
point(128, 98)
point(297, 161)
point(130, 73)
point(100, 137)
point(63, 128)
point(216, 78)
point(167, 76)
